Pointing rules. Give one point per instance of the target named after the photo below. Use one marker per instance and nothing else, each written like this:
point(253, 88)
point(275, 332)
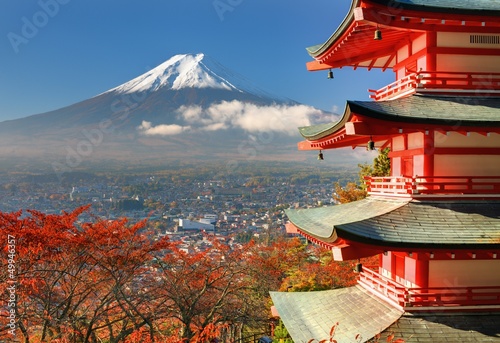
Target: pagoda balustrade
point(415, 299)
point(439, 82)
point(433, 185)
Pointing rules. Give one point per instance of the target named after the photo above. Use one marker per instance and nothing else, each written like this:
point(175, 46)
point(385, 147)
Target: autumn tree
point(76, 282)
point(109, 280)
point(353, 191)
point(202, 288)
point(40, 251)
point(121, 254)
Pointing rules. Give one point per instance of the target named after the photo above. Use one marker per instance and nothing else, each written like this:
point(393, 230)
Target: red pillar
point(429, 153)
point(431, 57)
point(422, 273)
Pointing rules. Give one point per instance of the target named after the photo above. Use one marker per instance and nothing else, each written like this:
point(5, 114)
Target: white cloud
point(336, 109)
point(190, 113)
point(215, 127)
point(236, 114)
point(161, 130)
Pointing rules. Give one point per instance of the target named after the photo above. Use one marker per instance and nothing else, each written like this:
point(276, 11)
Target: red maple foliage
point(69, 281)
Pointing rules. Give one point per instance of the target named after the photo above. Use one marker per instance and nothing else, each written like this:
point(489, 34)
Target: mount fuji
point(188, 108)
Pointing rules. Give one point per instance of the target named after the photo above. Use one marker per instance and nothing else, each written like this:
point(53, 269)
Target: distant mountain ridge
point(188, 107)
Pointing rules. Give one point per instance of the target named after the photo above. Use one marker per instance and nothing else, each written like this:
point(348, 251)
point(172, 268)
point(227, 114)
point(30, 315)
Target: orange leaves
point(71, 278)
point(110, 280)
point(391, 339)
point(331, 339)
point(332, 330)
point(209, 333)
point(316, 270)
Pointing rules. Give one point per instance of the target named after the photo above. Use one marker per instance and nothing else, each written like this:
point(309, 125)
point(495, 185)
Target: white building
point(186, 224)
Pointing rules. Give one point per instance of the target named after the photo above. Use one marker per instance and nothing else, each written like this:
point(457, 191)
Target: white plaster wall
point(396, 166)
point(467, 63)
point(419, 43)
point(415, 140)
point(418, 165)
point(466, 165)
point(398, 143)
point(472, 140)
point(386, 265)
point(402, 53)
point(422, 63)
point(458, 273)
point(462, 40)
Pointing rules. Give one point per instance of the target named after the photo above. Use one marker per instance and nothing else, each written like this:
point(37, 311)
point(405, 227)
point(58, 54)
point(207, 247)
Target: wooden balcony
point(432, 298)
point(434, 186)
point(440, 82)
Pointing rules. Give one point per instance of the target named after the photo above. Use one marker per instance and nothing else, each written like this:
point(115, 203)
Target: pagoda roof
point(440, 111)
point(352, 44)
point(311, 315)
point(404, 224)
point(450, 328)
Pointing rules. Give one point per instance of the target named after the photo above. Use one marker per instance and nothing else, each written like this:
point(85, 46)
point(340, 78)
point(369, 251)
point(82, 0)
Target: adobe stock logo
point(223, 6)
point(31, 26)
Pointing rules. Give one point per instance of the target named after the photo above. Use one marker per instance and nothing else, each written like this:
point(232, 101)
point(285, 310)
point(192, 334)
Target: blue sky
point(58, 52)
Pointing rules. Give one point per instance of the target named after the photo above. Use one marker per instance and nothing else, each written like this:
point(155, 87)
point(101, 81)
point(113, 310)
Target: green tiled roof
point(322, 130)
point(309, 315)
point(472, 111)
point(472, 328)
point(321, 221)
point(418, 109)
point(409, 225)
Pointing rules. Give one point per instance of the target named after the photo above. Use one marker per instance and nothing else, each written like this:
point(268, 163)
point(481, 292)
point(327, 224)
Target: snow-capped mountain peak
point(192, 71)
point(186, 71)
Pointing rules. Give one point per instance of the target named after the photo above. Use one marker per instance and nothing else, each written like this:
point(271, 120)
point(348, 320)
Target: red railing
point(456, 296)
point(433, 185)
point(382, 285)
point(407, 297)
point(439, 82)
point(398, 88)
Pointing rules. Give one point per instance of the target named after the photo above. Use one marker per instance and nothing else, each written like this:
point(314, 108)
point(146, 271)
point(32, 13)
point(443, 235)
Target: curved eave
point(319, 49)
point(379, 121)
point(402, 225)
point(352, 44)
point(356, 48)
point(320, 222)
point(315, 132)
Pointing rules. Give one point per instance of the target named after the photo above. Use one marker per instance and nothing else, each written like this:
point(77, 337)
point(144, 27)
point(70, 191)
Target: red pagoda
point(435, 222)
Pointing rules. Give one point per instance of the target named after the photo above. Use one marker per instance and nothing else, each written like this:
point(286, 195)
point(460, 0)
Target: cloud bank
point(236, 115)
